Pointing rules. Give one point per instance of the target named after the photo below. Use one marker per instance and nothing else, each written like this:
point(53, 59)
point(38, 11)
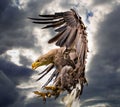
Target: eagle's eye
point(38, 60)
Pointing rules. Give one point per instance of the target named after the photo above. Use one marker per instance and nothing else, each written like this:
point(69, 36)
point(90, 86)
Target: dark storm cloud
point(36, 102)
point(8, 94)
point(103, 75)
point(25, 61)
point(12, 75)
point(3, 5)
point(14, 32)
point(16, 73)
point(15, 28)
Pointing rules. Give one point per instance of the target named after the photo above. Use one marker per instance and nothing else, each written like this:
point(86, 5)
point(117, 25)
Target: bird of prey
point(69, 60)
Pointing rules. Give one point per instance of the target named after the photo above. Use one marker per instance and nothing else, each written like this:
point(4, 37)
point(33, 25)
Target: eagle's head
point(42, 60)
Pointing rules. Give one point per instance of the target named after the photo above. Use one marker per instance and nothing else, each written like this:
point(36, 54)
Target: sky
point(21, 42)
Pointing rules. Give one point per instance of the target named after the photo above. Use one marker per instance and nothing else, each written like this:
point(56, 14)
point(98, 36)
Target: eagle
point(69, 60)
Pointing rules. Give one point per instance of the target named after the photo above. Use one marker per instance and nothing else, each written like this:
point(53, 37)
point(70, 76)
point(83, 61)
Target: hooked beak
point(35, 65)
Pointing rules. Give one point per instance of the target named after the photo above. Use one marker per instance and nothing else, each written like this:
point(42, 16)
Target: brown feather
point(47, 70)
point(56, 37)
point(55, 24)
point(61, 28)
point(40, 18)
point(71, 37)
point(49, 22)
point(52, 15)
point(50, 78)
point(63, 37)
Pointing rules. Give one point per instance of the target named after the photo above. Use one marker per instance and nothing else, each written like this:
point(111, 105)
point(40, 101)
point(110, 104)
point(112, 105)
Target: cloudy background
point(21, 42)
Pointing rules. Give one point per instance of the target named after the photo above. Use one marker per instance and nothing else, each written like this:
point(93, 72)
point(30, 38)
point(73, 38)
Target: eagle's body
point(68, 60)
point(55, 56)
point(58, 58)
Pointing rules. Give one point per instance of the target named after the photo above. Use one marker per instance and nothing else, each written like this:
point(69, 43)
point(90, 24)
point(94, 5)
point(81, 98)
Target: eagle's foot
point(41, 94)
point(53, 88)
point(45, 95)
point(55, 91)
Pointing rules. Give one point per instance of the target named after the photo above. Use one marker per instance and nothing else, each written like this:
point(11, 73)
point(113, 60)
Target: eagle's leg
point(55, 91)
point(53, 88)
point(45, 95)
point(41, 94)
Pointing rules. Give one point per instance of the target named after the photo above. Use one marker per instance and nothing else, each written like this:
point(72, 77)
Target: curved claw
point(53, 88)
point(40, 93)
point(43, 95)
point(55, 91)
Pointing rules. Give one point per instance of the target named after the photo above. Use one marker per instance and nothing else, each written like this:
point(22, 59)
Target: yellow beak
point(35, 65)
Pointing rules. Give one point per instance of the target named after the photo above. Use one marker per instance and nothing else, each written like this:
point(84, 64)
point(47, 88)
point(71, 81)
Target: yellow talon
point(50, 88)
point(40, 93)
point(49, 94)
point(55, 91)
point(43, 95)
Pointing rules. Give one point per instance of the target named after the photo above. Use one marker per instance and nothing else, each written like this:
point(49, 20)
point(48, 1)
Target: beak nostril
point(35, 65)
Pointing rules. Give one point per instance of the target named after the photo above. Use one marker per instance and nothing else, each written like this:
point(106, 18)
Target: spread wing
point(70, 31)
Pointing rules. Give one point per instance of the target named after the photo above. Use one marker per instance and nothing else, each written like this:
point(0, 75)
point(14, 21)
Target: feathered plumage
point(70, 30)
point(70, 34)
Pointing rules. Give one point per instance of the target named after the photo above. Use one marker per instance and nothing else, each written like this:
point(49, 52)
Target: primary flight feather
point(71, 36)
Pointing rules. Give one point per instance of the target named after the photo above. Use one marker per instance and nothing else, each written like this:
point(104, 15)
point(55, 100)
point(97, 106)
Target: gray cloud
point(16, 32)
point(100, 2)
point(103, 74)
point(67, 5)
point(15, 28)
point(35, 7)
point(10, 77)
point(3, 5)
point(7, 91)
point(25, 61)
point(16, 73)
point(37, 102)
